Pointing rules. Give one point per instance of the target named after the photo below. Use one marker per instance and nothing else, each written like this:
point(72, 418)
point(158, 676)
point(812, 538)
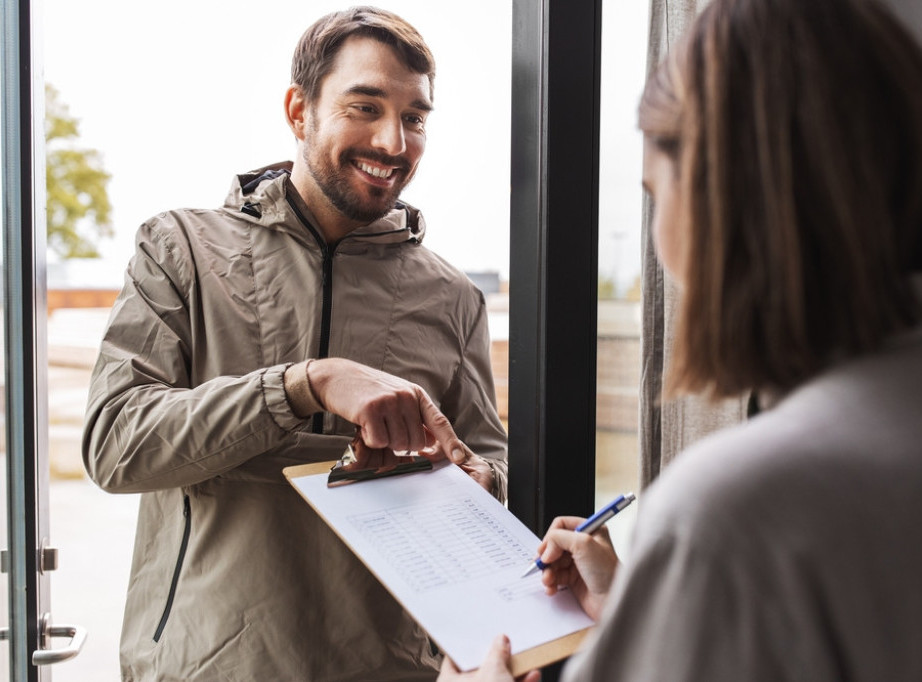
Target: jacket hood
point(266, 197)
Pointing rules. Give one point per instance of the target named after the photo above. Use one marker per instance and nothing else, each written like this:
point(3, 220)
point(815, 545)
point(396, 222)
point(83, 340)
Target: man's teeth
point(377, 172)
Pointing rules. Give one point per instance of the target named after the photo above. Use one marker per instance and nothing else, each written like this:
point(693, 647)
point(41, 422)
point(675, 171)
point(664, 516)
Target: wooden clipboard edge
point(311, 469)
point(547, 653)
point(522, 662)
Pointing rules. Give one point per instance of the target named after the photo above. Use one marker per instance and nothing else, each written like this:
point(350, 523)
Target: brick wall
point(80, 298)
point(618, 368)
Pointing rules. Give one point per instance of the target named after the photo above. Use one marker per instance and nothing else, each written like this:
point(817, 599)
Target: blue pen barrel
point(590, 525)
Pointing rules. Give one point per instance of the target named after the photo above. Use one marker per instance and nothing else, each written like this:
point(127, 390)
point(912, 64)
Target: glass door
point(624, 48)
point(122, 113)
point(28, 631)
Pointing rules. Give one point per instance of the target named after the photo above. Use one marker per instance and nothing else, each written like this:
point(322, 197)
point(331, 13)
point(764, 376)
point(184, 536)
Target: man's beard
point(334, 181)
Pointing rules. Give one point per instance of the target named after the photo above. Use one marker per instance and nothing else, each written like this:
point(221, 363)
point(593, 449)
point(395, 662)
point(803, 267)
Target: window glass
point(177, 97)
point(624, 32)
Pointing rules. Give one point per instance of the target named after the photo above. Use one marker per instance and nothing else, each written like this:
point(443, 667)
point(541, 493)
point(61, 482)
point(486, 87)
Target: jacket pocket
point(187, 529)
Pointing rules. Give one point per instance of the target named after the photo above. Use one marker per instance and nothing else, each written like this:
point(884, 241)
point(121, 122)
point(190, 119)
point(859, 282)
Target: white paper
point(452, 555)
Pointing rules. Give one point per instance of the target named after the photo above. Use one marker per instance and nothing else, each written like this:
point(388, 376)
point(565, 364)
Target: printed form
point(451, 554)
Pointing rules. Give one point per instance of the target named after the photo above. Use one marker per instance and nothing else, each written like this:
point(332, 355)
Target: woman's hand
point(495, 667)
point(583, 562)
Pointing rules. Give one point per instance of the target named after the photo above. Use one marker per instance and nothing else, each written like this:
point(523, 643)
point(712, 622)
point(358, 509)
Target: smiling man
point(361, 134)
point(270, 332)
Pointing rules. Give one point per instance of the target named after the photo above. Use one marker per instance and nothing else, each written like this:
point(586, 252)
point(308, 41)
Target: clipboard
point(542, 629)
point(362, 463)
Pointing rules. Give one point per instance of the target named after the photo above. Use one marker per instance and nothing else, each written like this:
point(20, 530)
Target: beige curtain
point(667, 428)
point(910, 11)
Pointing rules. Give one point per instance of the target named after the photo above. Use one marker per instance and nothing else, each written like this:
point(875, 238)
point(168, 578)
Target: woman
point(783, 149)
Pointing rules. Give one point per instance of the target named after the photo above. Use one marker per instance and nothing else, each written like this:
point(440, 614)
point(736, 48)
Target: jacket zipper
point(327, 309)
point(187, 529)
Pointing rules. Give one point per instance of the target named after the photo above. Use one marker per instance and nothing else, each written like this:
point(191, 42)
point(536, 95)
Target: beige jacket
point(234, 577)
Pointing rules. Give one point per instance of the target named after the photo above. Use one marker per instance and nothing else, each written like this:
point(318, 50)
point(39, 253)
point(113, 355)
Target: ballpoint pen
point(590, 525)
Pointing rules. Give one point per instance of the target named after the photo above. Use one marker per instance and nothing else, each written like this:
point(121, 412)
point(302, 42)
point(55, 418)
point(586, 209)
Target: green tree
point(77, 205)
point(606, 289)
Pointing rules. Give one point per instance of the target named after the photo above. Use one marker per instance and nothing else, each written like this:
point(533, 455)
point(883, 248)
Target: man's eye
point(365, 108)
point(415, 119)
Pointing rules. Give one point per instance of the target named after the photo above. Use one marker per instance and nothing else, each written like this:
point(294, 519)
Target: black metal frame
point(24, 336)
point(556, 60)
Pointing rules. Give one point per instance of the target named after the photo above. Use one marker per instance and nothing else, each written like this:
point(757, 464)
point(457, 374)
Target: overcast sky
point(180, 95)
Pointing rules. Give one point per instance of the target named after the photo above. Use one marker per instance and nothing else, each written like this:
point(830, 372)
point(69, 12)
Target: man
point(267, 333)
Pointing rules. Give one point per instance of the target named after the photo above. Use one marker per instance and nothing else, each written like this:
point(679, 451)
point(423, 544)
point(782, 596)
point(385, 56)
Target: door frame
point(24, 323)
point(553, 292)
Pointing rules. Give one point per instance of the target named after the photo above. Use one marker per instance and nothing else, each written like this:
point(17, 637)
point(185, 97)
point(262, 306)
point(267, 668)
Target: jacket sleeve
point(147, 426)
point(470, 402)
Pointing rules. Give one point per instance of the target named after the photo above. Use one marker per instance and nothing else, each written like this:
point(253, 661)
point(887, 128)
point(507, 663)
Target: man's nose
point(389, 136)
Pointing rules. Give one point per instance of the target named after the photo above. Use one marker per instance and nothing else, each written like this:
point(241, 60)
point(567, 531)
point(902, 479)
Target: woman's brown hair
point(796, 127)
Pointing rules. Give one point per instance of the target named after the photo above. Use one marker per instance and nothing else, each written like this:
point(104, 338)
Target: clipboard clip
point(362, 463)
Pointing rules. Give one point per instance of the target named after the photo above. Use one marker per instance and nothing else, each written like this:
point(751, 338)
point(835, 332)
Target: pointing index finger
point(440, 427)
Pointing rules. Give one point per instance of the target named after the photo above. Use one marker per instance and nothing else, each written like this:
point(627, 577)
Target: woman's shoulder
point(796, 469)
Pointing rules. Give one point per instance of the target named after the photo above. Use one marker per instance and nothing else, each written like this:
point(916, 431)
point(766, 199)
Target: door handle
point(77, 636)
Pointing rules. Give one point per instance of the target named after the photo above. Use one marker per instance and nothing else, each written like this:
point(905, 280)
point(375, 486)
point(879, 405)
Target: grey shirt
point(786, 548)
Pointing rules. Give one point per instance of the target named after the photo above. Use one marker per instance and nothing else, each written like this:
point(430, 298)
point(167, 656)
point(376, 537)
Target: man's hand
point(583, 562)
point(495, 667)
point(388, 411)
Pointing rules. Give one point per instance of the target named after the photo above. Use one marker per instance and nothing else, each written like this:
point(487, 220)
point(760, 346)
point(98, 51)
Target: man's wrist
point(315, 399)
point(300, 392)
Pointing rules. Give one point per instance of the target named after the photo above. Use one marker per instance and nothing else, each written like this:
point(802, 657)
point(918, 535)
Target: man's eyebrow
point(372, 91)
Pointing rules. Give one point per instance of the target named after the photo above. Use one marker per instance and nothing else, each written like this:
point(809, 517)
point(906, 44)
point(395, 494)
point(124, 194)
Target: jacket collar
point(266, 197)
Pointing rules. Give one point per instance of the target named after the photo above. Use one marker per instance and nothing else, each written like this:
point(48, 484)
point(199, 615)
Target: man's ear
point(296, 110)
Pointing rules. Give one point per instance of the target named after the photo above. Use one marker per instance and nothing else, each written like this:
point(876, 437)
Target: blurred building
point(618, 361)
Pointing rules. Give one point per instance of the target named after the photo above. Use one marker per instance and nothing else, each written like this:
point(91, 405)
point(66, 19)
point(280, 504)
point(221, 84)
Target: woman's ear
point(296, 110)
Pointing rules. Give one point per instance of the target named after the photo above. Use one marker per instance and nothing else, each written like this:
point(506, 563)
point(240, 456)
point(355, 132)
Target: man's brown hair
point(796, 128)
point(317, 49)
